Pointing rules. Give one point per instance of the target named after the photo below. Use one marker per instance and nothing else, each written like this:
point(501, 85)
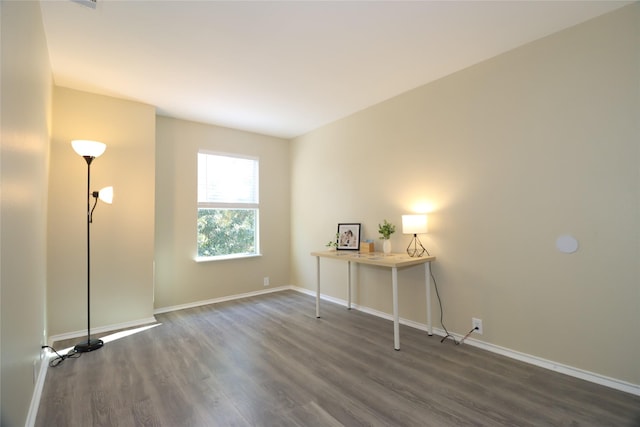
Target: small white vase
point(386, 246)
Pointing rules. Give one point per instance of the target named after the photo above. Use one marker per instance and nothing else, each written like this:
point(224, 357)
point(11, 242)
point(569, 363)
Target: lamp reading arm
point(105, 194)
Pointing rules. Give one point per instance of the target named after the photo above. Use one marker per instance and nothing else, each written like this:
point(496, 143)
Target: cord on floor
point(71, 354)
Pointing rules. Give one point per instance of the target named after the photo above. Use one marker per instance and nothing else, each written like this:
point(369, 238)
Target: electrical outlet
point(476, 324)
point(266, 281)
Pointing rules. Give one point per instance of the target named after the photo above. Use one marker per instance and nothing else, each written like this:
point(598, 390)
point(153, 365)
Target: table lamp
point(415, 224)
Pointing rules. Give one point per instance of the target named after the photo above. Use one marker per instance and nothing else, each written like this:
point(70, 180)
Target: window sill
point(226, 257)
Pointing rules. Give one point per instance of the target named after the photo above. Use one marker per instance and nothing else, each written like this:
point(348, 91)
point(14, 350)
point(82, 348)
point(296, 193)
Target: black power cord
point(469, 333)
point(435, 285)
point(447, 334)
point(71, 354)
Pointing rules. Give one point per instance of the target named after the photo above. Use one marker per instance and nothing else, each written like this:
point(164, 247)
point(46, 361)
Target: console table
point(392, 261)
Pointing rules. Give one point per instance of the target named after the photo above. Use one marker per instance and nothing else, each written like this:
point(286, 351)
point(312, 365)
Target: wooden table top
point(376, 258)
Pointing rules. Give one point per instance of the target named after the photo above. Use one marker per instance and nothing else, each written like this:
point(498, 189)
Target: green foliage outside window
point(226, 232)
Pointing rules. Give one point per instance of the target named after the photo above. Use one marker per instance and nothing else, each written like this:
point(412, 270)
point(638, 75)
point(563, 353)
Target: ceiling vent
point(88, 3)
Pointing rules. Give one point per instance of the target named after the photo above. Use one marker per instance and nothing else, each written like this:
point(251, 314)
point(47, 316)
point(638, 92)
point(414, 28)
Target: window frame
point(255, 206)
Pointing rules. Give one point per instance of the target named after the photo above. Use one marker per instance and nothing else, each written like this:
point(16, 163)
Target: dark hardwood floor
point(267, 361)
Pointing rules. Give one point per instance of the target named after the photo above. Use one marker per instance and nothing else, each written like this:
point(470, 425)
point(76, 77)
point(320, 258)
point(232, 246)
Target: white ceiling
point(284, 68)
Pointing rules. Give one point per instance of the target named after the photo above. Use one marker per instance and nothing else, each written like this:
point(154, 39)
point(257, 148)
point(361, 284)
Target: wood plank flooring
point(267, 361)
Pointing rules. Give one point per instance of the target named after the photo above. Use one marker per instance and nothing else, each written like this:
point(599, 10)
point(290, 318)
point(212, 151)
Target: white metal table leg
point(396, 316)
point(349, 297)
point(427, 280)
point(317, 286)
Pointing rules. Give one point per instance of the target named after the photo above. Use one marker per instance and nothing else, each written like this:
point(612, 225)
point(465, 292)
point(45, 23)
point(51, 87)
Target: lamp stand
point(89, 344)
point(415, 248)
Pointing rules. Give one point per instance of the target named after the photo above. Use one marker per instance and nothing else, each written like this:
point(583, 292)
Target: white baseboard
point(221, 299)
point(146, 321)
point(101, 330)
point(553, 366)
point(37, 391)
point(523, 357)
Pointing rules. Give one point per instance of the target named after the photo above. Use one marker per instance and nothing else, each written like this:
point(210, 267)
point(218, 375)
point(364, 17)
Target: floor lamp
point(89, 150)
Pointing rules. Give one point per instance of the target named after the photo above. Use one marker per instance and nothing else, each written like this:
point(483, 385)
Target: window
point(227, 205)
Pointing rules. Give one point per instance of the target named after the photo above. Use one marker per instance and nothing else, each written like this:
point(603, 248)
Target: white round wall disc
point(567, 244)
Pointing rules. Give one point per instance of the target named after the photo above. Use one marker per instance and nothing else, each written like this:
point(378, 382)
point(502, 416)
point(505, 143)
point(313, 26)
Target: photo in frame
point(348, 237)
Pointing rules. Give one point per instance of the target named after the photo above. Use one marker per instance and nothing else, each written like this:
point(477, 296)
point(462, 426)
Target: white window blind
point(227, 179)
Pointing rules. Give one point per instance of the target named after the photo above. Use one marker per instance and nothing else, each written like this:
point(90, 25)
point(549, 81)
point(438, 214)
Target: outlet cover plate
point(476, 323)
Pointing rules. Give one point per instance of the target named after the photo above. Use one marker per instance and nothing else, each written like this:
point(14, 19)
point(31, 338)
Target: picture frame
point(348, 237)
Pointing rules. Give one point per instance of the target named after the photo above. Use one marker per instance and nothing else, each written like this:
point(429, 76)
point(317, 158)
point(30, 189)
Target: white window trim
point(210, 205)
point(200, 259)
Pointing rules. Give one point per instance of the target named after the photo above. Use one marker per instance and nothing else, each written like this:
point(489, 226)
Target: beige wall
point(509, 154)
point(122, 234)
point(25, 119)
point(181, 280)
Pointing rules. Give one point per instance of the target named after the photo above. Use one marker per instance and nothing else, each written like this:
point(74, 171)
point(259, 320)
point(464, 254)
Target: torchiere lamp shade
point(87, 148)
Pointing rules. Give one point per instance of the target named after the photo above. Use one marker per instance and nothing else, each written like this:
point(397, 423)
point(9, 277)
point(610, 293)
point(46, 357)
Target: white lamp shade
point(106, 195)
point(414, 224)
point(87, 148)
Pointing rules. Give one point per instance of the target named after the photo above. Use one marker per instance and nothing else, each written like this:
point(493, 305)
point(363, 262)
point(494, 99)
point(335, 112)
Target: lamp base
point(415, 248)
point(89, 345)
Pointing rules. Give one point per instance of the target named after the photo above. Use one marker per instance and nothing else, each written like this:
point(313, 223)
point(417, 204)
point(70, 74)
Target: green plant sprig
point(333, 243)
point(386, 230)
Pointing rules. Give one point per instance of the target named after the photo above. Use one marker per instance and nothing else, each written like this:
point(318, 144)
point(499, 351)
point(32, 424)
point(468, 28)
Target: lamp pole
point(89, 345)
point(89, 150)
